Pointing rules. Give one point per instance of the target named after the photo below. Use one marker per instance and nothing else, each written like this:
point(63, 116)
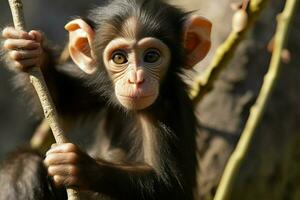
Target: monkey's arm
point(69, 166)
point(22, 50)
point(126, 181)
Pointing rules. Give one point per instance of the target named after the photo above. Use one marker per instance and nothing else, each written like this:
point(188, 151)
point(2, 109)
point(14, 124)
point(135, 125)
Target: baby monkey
point(127, 59)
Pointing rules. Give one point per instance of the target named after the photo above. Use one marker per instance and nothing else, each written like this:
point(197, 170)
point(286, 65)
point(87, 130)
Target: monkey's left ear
point(80, 40)
point(196, 39)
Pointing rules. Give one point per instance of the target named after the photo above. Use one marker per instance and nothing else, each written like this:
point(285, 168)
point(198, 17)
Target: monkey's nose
point(132, 77)
point(140, 77)
point(136, 77)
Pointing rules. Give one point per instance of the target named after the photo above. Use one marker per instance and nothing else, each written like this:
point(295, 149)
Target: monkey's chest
point(117, 148)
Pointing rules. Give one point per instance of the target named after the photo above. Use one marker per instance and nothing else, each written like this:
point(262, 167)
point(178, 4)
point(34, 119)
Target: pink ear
point(81, 36)
point(197, 39)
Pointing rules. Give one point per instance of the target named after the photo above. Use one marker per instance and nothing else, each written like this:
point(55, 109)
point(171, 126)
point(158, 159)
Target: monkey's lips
point(137, 102)
point(136, 97)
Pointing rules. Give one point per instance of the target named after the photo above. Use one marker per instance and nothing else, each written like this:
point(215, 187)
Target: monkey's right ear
point(197, 39)
point(80, 40)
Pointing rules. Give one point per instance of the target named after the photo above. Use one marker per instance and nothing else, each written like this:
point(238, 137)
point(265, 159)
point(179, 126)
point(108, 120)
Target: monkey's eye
point(119, 58)
point(152, 56)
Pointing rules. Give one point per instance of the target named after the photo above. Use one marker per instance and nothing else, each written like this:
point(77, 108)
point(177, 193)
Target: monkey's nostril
point(141, 82)
point(130, 81)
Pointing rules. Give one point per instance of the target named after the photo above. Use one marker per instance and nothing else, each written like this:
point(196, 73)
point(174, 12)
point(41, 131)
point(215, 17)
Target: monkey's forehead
point(139, 18)
point(130, 28)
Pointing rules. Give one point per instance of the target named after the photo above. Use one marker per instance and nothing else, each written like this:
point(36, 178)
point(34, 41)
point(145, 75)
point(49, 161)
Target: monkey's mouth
point(136, 102)
point(136, 97)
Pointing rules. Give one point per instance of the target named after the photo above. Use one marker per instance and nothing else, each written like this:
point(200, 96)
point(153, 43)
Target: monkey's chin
point(136, 103)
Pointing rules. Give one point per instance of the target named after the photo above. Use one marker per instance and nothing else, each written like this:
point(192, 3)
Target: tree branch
point(224, 53)
point(37, 80)
point(257, 111)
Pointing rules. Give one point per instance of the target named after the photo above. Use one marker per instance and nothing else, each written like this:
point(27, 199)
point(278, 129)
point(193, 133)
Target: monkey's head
point(138, 43)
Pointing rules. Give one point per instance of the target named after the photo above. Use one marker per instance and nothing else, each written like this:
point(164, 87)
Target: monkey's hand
point(69, 166)
point(22, 49)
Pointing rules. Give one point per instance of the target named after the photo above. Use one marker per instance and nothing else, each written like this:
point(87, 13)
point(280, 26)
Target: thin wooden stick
point(256, 113)
point(37, 80)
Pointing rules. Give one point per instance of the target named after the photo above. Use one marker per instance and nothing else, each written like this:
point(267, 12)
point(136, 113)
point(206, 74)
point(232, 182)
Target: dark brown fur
point(23, 176)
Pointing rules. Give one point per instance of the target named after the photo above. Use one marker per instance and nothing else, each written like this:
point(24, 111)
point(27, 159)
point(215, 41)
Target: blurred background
point(272, 169)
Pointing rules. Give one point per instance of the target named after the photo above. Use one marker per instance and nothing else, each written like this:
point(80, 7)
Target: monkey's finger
point(63, 170)
point(65, 181)
point(23, 65)
point(10, 32)
point(38, 36)
point(13, 44)
point(61, 158)
point(21, 55)
point(63, 148)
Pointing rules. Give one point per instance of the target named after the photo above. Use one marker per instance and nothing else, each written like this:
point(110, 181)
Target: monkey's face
point(135, 66)
point(136, 69)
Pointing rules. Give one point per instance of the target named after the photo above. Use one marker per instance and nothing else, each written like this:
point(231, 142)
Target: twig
point(224, 54)
point(257, 111)
point(42, 137)
point(37, 80)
